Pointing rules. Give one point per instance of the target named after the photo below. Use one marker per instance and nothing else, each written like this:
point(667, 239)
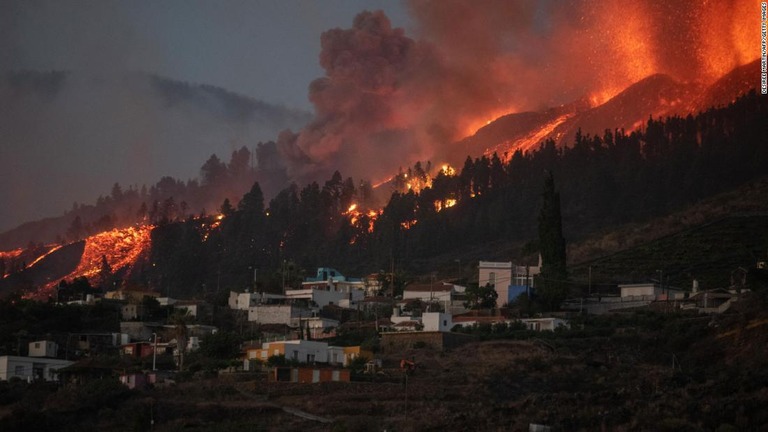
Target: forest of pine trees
point(602, 181)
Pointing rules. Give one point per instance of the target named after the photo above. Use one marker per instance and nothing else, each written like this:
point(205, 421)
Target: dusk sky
point(265, 49)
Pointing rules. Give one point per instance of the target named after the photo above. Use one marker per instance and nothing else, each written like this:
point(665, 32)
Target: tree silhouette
point(552, 289)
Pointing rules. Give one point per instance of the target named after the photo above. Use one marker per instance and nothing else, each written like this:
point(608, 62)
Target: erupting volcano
point(392, 98)
point(474, 78)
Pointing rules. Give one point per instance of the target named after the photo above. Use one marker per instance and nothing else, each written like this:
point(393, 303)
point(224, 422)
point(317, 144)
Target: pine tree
point(552, 288)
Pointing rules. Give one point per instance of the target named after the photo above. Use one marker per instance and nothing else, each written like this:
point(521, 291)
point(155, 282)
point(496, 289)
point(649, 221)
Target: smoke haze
point(388, 99)
point(62, 131)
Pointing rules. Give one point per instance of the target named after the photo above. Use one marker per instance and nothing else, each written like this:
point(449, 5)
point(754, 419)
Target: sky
point(265, 49)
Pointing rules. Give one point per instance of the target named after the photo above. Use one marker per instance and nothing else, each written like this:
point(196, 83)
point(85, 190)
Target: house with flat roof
point(508, 279)
point(31, 368)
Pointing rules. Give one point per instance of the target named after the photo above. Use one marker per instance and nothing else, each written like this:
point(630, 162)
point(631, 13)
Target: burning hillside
point(657, 96)
point(116, 251)
point(392, 98)
point(121, 248)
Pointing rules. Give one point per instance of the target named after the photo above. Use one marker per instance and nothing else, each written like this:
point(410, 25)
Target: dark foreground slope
point(635, 372)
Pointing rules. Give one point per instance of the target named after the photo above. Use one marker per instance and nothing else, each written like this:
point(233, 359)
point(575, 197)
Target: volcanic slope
point(655, 96)
point(122, 249)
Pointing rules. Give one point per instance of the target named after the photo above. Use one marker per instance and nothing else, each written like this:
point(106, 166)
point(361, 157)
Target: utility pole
point(282, 272)
point(431, 291)
point(154, 353)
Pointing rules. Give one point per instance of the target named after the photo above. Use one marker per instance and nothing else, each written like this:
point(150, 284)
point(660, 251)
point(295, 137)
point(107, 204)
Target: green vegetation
point(481, 297)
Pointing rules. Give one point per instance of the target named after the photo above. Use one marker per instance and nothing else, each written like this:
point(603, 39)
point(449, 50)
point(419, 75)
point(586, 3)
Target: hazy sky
point(99, 130)
point(266, 49)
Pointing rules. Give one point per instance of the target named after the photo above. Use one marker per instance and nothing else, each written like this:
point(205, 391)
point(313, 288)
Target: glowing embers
point(12, 254)
point(408, 224)
point(444, 204)
point(8, 257)
point(356, 217)
point(210, 223)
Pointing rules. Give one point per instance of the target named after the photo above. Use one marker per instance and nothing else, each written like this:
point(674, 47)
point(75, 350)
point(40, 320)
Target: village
point(295, 326)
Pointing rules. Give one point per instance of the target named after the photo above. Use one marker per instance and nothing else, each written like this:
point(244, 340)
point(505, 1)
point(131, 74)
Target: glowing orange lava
point(530, 141)
point(213, 225)
point(9, 255)
point(121, 248)
point(486, 118)
point(37, 260)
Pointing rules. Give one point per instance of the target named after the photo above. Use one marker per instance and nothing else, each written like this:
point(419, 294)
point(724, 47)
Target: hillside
point(707, 253)
point(632, 372)
point(706, 241)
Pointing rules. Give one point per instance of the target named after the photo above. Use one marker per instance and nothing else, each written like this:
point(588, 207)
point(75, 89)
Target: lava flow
point(121, 248)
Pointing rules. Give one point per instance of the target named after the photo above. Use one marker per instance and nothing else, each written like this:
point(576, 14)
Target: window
point(310, 358)
point(445, 323)
point(295, 355)
point(492, 278)
point(37, 345)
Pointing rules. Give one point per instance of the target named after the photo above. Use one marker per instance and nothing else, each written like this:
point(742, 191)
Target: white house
point(427, 321)
point(245, 300)
point(31, 368)
point(277, 314)
point(535, 324)
point(508, 279)
point(649, 291)
point(300, 350)
point(544, 324)
point(340, 290)
point(328, 296)
point(437, 321)
point(319, 327)
point(305, 351)
point(429, 292)
point(43, 349)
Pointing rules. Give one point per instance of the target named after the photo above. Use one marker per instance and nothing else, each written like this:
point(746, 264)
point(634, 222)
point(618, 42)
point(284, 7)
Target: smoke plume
point(388, 99)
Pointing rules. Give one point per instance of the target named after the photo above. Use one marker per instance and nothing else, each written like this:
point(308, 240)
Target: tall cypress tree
point(552, 288)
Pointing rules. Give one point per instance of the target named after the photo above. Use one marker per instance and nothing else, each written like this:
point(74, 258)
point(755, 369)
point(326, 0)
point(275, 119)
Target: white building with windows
point(43, 348)
point(437, 321)
point(509, 280)
point(31, 368)
point(245, 300)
